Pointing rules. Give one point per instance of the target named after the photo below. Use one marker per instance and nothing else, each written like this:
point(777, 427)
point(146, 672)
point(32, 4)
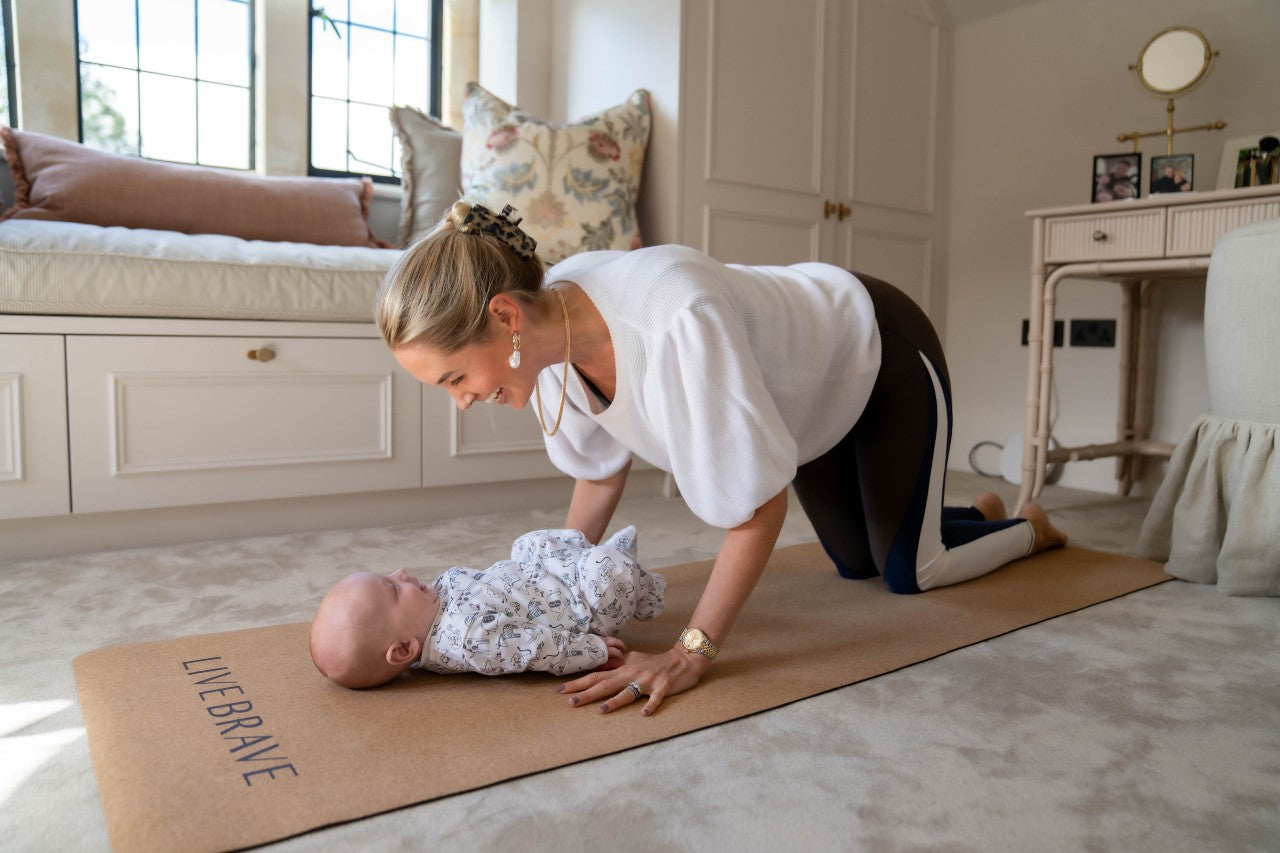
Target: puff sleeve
point(729, 448)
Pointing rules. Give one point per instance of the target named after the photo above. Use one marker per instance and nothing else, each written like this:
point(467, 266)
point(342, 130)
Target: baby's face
point(406, 605)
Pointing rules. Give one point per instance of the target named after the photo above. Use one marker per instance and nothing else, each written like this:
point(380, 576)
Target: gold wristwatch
point(695, 641)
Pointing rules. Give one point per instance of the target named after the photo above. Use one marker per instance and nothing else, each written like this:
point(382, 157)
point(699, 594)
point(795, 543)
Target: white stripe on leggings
point(935, 565)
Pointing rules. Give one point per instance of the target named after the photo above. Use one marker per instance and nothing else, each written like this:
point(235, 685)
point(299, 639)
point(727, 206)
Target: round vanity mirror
point(1173, 61)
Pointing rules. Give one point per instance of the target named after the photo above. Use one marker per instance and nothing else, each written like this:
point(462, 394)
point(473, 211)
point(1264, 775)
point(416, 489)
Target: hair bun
point(458, 213)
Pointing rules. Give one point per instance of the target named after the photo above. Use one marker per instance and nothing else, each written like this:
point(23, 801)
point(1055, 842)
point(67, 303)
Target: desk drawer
point(1128, 235)
point(1195, 228)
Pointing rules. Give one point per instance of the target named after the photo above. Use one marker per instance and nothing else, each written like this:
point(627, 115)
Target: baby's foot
point(991, 507)
point(1047, 536)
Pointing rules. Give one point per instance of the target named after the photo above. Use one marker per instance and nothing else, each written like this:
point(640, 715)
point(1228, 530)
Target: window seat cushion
point(69, 268)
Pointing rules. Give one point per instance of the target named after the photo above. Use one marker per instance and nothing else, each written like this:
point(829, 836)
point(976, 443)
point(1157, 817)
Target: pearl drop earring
point(514, 360)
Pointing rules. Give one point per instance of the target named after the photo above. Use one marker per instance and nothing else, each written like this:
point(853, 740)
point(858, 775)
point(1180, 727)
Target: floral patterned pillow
point(575, 185)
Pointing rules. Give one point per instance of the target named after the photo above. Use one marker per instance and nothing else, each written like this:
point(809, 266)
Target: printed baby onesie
point(548, 608)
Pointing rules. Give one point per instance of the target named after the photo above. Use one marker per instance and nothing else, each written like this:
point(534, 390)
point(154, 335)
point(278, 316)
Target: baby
point(554, 606)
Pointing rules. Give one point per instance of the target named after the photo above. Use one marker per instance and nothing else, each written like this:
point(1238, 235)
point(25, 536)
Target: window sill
point(387, 190)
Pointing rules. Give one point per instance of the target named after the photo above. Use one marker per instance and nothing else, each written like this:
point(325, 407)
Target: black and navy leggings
point(875, 499)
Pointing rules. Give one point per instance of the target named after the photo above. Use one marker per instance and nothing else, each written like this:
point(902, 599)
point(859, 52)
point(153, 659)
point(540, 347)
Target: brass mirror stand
point(1169, 131)
point(1173, 62)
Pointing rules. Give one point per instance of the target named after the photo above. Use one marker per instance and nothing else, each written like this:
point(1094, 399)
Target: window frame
point(6, 11)
point(251, 35)
point(434, 89)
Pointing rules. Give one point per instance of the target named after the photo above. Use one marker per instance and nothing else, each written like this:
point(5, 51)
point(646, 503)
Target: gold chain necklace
point(564, 378)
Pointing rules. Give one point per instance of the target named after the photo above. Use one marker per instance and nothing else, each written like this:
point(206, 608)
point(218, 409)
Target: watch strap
point(703, 646)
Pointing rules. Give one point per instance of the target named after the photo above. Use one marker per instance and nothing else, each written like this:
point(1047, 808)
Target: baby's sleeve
point(557, 651)
point(624, 542)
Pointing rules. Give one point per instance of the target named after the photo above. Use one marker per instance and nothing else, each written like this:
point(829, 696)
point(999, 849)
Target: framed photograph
point(1117, 177)
point(1258, 166)
point(1172, 174)
point(1233, 150)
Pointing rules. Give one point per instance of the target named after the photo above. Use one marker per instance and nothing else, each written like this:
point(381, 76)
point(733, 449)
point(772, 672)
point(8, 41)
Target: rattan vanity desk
point(1137, 244)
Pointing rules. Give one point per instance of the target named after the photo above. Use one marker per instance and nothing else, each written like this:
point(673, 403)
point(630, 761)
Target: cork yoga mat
point(231, 740)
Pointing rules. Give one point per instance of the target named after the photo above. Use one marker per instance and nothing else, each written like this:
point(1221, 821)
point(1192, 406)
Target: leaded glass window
point(168, 79)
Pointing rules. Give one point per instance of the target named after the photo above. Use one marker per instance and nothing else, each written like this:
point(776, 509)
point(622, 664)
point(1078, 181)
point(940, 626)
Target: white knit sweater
point(727, 376)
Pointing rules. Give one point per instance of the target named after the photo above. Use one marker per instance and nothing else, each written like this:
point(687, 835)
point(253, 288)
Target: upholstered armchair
point(1216, 516)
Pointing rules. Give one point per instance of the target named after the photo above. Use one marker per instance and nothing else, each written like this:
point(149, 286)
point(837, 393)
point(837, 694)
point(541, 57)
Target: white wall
point(1037, 92)
point(46, 53)
point(282, 68)
point(515, 56)
point(603, 51)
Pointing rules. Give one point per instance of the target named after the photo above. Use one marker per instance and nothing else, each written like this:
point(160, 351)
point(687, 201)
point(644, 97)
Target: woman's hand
point(658, 676)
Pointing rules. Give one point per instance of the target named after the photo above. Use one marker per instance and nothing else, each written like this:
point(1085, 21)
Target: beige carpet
point(230, 740)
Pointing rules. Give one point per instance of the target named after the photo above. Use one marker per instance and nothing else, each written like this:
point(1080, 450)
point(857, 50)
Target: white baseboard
point(34, 538)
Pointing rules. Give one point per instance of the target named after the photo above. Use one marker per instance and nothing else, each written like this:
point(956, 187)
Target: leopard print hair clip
point(501, 226)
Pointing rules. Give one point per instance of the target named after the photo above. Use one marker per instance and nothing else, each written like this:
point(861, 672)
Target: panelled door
point(811, 130)
point(758, 132)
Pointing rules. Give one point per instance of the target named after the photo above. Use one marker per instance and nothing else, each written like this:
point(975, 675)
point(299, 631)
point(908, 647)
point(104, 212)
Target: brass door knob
point(262, 354)
point(840, 210)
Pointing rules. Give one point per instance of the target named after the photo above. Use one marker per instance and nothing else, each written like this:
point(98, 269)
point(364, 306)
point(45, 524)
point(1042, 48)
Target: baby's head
point(370, 628)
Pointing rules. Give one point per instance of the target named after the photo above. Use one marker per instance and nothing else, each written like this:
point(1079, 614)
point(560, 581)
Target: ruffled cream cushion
point(575, 185)
point(430, 168)
point(1216, 516)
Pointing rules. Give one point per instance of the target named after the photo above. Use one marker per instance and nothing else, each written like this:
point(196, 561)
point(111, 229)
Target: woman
point(739, 380)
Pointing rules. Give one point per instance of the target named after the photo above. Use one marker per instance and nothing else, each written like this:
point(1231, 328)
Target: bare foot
point(1047, 536)
point(991, 507)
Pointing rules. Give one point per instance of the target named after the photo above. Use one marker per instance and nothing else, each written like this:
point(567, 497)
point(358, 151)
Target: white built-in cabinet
point(485, 444)
point(33, 427)
point(166, 421)
point(813, 130)
point(115, 414)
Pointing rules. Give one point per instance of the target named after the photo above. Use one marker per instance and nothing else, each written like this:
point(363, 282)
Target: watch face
point(693, 638)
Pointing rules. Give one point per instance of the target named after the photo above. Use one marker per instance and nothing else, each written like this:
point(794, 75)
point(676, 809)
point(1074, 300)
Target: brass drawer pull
point(1099, 236)
point(262, 354)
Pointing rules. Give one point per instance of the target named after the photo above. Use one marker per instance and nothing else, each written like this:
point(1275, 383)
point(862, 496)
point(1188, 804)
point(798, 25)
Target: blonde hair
point(438, 292)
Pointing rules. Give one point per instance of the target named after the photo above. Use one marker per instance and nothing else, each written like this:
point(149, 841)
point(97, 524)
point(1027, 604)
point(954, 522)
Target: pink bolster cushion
point(64, 181)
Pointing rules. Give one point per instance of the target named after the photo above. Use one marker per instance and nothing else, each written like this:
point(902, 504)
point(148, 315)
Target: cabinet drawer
point(1129, 235)
point(1195, 228)
point(485, 444)
point(33, 427)
point(161, 421)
